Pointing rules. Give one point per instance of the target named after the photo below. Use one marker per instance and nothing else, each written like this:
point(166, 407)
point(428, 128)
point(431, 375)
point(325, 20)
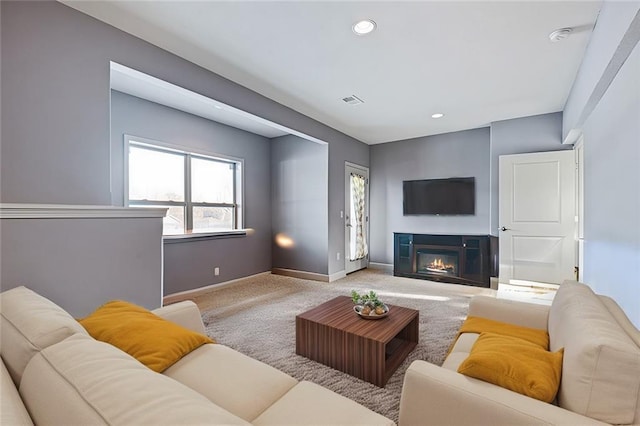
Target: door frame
point(350, 266)
point(578, 148)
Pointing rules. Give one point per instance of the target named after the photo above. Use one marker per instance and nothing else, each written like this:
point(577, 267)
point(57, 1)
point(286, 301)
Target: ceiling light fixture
point(437, 115)
point(364, 27)
point(560, 34)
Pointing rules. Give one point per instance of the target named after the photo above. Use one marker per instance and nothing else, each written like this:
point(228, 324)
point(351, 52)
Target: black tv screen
point(453, 196)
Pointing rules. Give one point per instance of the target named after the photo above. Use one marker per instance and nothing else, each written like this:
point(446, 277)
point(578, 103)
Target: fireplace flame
point(439, 264)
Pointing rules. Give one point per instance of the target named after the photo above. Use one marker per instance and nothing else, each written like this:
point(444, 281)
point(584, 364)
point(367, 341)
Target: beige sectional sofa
point(54, 373)
point(600, 380)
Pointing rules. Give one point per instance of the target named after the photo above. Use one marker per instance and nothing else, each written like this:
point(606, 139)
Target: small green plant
point(370, 299)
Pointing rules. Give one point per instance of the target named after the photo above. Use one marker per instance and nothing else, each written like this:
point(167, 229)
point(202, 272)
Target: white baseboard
point(337, 275)
point(383, 266)
point(190, 294)
point(301, 274)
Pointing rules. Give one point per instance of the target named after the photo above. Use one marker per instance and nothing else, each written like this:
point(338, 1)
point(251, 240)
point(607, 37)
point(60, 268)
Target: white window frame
point(188, 204)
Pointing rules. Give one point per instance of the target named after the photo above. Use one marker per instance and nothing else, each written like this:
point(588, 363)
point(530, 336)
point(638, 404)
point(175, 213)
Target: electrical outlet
point(216, 271)
point(338, 256)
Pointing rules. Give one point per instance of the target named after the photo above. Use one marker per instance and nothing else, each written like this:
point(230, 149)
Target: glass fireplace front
point(437, 261)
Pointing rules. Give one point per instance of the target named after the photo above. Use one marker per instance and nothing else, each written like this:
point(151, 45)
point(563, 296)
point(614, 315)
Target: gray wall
point(445, 156)
point(55, 108)
point(80, 264)
point(611, 172)
point(457, 154)
point(55, 101)
point(189, 265)
point(299, 193)
point(538, 133)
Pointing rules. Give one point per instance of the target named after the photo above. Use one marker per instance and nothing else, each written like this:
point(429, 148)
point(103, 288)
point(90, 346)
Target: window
point(201, 192)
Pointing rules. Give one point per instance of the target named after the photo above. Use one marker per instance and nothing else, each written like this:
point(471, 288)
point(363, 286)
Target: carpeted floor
point(257, 317)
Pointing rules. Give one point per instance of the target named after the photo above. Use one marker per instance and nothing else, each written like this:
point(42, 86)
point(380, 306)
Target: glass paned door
point(356, 217)
point(358, 242)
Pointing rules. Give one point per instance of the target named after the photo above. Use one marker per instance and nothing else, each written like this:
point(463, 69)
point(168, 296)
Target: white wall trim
point(572, 137)
point(337, 275)
point(190, 294)
point(382, 266)
point(301, 274)
point(62, 211)
point(357, 166)
point(187, 238)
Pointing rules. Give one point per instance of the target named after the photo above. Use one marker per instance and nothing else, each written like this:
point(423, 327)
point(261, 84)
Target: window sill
point(185, 238)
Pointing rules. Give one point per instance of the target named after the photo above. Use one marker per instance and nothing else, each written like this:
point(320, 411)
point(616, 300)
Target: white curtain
point(358, 242)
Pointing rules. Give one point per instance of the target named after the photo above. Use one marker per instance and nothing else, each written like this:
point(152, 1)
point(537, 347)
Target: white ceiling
point(475, 61)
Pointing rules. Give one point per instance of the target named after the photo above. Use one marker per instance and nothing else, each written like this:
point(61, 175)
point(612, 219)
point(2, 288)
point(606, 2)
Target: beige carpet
point(257, 317)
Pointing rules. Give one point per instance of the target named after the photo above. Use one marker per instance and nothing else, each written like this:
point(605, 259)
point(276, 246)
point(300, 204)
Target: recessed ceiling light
point(364, 27)
point(437, 115)
point(560, 34)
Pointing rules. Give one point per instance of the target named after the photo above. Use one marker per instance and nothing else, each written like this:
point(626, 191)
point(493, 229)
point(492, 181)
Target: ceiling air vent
point(353, 100)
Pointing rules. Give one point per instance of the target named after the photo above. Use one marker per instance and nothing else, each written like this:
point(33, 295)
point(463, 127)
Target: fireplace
point(437, 261)
point(459, 259)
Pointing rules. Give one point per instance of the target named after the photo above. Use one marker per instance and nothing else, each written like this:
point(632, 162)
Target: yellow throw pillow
point(514, 364)
point(480, 325)
point(154, 341)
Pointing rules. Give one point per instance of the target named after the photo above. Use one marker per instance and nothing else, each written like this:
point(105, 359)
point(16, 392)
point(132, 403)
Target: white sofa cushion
point(185, 313)
point(460, 351)
point(81, 381)
point(310, 404)
point(235, 382)
point(28, 324)
point(601, 365)
point(621, 318)
point(12, 409)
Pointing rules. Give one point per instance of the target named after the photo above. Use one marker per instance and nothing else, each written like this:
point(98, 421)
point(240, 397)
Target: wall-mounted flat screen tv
point(453, 196)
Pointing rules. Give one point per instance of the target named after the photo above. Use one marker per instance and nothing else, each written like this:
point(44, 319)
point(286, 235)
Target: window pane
point(207, 219)
point(211, 181)
point(173, 222)
point(154, 175)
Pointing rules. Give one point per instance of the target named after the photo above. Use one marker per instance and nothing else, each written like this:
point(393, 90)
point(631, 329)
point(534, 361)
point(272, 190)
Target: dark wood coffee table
point(334, 335)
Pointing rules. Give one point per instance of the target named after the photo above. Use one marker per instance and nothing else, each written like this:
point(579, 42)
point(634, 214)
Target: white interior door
point(356, 253)
point(537, 217)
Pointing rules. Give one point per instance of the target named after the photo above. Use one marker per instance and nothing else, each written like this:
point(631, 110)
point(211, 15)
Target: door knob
point(504, 229)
